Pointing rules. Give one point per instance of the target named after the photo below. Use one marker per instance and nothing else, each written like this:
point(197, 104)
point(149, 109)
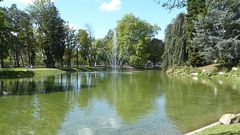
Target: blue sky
point(103, 15)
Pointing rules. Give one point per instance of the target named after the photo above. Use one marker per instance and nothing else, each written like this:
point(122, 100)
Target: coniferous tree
point(218, 33)
point(4, 37)
point(50, 31)
point(194, 8)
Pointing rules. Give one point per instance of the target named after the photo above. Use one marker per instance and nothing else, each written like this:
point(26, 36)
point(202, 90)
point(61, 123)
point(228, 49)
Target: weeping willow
point(175, 53)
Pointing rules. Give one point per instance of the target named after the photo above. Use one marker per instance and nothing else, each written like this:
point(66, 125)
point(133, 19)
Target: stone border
point(204, 128)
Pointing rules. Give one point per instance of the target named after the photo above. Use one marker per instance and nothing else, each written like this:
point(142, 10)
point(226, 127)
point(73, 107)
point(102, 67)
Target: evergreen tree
point(217, 33)
point(4, 37)
point(194, 8)
point(51, 31)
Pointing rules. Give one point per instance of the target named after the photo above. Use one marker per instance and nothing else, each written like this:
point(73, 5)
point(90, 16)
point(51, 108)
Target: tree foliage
point(134, 36)
point(51, 31)
point(171, 4)
point(217, 33)
point(4, 36)
point(156, 50)
point(71, 44)
point(85, 45)
point(175, 52)
point(194, 8)
point(104, 49)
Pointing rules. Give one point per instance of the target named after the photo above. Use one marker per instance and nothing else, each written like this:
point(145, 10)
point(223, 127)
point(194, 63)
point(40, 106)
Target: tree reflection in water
point(124, 102)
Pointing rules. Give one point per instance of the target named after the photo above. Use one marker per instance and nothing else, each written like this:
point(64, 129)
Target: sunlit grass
point(222, 130)
point(38, 72)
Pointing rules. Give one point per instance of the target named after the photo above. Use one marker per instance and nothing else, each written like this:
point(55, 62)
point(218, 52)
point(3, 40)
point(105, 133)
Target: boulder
point(228, 119)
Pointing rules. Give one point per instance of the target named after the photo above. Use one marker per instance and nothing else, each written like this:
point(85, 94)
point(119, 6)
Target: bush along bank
point(206, 72)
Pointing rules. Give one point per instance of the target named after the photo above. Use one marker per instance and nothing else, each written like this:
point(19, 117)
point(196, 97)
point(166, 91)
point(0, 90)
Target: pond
point(115, 103)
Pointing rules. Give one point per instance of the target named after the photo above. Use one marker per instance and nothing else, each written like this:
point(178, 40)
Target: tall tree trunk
point(77, 58)
point(68, 58)
point(1, 88)
point(29, 57)
point(22, 60)
point(62, 62)
point(1, 63)
point(17, 60)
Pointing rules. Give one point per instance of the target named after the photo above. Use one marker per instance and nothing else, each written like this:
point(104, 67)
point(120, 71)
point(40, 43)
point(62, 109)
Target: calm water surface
point(102, 103)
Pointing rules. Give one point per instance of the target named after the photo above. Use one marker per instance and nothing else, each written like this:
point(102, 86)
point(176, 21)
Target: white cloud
point(113, 5)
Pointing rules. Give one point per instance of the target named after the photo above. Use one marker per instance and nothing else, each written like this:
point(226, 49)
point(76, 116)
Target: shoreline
point(210, 72)
point(12, 73)
point(203, 128)
point(207, 72)
point(197, 131)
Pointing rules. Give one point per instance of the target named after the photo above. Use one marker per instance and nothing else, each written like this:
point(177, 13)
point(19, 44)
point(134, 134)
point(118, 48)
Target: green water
point(102, 103)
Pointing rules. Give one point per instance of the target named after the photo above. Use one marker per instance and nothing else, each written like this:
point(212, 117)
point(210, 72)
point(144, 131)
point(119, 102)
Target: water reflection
point(112, 103)
point(191, 104)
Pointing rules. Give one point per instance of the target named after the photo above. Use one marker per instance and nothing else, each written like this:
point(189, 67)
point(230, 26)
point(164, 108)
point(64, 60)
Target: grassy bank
point(215, 72)
point(38, 72)
point(222, 130)
point(24, 73)
point(211, 71)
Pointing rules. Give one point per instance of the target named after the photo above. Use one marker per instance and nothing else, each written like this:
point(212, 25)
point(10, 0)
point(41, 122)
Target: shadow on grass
point(16, 74)
point(84, 69)
point(224, 67)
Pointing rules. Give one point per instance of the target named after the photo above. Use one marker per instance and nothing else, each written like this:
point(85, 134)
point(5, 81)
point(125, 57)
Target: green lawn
point(222, 130)
point(23, 72)
point(36, 72)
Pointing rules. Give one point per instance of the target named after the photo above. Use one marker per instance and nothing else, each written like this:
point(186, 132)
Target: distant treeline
point(39, 36)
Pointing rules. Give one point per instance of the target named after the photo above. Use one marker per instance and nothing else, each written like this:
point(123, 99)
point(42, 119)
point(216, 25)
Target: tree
point(229, 51)
point(71, 44)
point(4, 37)
point(58, 35)
point(27, 38)
point(84, 41)
point(92, 51)
point(175, 52)
point(218, 30)
point(101, 52)
point(50, 31)
point(103, 49)
point(194, 8)
point(134, 36)
point(156, 50)
point(15, 15)
point(171, 4)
